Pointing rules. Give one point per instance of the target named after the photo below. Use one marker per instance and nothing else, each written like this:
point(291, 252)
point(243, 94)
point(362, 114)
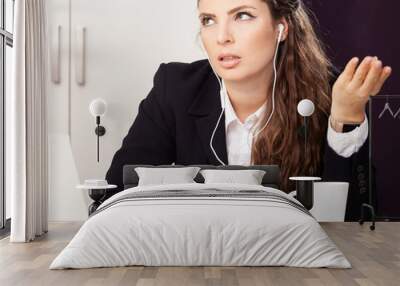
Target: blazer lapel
point(206, 110)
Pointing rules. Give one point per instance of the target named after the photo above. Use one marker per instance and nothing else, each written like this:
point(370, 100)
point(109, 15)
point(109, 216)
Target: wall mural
point(362, 28)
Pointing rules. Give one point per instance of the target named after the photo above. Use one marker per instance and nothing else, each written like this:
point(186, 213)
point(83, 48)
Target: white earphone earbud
point(281, 28)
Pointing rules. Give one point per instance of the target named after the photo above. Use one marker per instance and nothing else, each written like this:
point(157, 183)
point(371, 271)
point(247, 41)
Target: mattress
point(198, 224)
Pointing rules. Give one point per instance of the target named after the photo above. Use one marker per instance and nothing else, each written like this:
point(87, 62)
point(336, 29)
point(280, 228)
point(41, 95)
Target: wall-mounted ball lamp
point(98, 108)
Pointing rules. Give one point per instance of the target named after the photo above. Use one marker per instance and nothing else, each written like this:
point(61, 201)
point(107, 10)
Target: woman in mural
point(265, 57)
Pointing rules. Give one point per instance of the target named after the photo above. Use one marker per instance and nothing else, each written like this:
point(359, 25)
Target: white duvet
point(200, 231)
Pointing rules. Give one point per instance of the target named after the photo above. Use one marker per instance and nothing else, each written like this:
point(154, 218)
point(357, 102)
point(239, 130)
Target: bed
point(201, 224)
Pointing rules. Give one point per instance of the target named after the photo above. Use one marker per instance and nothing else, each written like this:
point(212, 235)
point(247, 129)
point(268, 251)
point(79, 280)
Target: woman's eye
point(204, 21)
point(244, 13)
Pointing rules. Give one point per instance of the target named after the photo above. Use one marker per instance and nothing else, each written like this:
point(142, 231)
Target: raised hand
point(352, 89)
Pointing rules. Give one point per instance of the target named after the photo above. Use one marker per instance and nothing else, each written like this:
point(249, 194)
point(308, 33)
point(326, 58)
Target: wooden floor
point(375, 256)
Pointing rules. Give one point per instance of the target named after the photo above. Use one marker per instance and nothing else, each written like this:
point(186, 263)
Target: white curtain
point(28, 123)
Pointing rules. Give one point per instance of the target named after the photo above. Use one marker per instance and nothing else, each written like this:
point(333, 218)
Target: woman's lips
point(229, 61)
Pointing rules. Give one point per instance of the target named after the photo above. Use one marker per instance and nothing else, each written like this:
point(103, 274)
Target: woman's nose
point(224, 34)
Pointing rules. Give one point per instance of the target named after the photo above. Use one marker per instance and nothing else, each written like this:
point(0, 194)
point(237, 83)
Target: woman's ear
point(285, 30)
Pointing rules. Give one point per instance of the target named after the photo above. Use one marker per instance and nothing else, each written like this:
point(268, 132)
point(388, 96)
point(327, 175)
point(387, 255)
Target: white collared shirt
point(239, 136)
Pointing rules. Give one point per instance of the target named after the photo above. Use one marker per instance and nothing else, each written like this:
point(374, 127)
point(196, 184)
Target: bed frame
point(270, 179)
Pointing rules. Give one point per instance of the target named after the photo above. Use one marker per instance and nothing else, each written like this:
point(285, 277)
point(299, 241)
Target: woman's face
point(248, 32)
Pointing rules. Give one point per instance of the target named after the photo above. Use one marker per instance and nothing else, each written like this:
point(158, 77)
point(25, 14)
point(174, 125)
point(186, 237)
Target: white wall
point(126, 42)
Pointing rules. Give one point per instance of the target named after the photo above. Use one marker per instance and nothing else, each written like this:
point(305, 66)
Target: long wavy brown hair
point(303, 72)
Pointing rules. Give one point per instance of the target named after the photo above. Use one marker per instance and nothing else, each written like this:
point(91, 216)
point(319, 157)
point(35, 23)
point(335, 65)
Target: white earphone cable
point(222, 98)
point(273, 87)
point(223, 91)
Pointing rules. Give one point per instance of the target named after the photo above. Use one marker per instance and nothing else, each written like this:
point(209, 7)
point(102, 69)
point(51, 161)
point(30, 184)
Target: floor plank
point(374, 255)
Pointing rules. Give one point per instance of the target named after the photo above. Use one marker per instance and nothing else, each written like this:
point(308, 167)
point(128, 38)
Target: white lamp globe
point(305, 107)
point(98, 107)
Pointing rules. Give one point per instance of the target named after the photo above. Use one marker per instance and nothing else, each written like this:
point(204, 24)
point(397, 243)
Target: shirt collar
point(230, 114)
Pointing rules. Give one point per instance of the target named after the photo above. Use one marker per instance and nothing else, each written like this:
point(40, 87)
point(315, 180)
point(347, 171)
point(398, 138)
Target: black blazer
point(175, 122)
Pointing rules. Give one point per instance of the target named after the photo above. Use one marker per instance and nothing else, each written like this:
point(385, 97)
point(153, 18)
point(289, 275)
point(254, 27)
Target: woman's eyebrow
point(229, 12)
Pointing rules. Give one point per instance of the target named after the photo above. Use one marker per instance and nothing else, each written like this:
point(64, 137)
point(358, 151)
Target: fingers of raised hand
point(368, 78)
point(349, 70)
point(383, 77)
point(372, 78)
point(361, 72)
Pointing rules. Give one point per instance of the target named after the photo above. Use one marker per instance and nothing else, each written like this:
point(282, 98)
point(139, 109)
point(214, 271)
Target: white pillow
point(248, 176)
point(167, 175)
